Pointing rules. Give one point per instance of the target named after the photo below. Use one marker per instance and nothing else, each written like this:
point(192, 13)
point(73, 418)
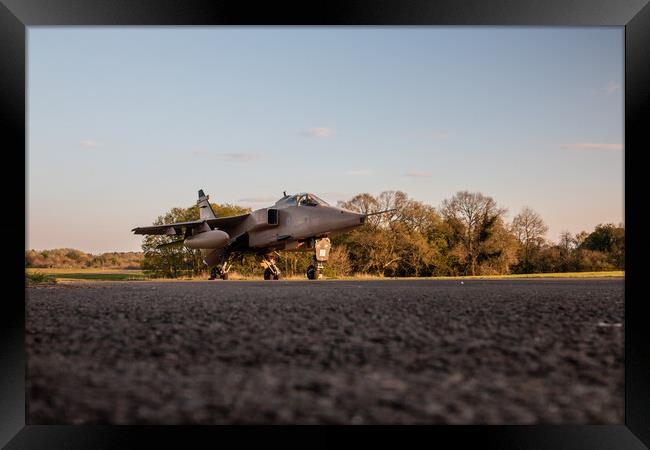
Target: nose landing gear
point(321, 254)
point(315, 271)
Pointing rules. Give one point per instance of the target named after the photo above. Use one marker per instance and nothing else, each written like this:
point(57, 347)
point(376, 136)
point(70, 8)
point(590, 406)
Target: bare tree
point(418, 217)
point(529, 228)
point(472, 216)
point(365, 204)
point(567, 241)
point(388, 200)
point(567, 246)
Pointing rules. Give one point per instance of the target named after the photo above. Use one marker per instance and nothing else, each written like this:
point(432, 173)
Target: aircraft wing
point(177, 228)
point(169, 228)
point(224, 223)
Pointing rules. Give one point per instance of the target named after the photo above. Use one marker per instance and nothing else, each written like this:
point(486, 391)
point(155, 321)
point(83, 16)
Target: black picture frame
point(16, 15)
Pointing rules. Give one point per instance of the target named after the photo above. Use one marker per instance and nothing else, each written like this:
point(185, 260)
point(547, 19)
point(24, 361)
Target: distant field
point(92, 274)
point(128, 275)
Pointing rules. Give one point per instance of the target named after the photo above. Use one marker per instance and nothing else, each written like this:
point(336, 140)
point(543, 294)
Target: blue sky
point(126, 123)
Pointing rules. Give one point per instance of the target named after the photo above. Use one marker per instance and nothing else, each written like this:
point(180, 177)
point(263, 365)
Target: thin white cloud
point(593, 146)
point(417, 174)
point(611, 87)
point(198, 153)
point(319, 132)
point(240, 157)
point(89, 143)
point(357, 172)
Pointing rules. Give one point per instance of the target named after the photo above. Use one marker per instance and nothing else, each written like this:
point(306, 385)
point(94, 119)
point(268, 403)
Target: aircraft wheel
point(312, 273)
point(268, 274)
point(224, 276)
point(277, 277)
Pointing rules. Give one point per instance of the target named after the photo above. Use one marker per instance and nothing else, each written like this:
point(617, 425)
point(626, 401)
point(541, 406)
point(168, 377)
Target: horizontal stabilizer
point(177, 227)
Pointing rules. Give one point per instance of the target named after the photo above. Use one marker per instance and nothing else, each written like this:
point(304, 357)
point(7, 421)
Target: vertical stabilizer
point(205, 210)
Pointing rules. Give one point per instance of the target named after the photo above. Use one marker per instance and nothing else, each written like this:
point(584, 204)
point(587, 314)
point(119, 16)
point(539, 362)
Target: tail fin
point(205, 210)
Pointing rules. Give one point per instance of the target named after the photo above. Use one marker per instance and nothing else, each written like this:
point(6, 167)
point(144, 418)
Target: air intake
point(272, 217)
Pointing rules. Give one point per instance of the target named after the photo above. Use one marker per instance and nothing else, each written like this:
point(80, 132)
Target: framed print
point(365, 213)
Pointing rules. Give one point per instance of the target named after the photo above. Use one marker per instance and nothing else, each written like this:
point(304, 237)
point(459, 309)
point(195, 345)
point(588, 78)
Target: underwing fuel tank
point(208, 239)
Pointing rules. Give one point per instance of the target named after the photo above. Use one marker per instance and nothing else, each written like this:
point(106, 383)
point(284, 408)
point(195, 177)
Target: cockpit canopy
point(302, 199)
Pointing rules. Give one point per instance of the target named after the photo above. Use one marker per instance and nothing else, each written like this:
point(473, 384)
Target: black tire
point(213, 274)
point(312, 273)
point(277, 277)
point(224, 276)
point(268, 274)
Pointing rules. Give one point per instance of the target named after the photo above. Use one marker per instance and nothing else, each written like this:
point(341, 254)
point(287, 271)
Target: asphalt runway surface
point(347, 352)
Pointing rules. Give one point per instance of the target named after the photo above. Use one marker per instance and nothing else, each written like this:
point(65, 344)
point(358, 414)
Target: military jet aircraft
point(295, 222)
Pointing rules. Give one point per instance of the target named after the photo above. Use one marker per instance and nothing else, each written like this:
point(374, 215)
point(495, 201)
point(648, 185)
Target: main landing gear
point(321, 254)
point(221, 270)
point(271, 270)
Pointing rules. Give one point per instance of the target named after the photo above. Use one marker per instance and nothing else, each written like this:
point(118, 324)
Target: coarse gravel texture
point(349, 352)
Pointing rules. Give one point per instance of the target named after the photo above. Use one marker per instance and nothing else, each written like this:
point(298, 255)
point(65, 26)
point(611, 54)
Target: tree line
point(468, 234)
point(70, 258)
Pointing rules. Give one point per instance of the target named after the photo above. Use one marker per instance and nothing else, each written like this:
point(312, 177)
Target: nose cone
point(358, 219)
point(333, 220)
point(350, 219)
